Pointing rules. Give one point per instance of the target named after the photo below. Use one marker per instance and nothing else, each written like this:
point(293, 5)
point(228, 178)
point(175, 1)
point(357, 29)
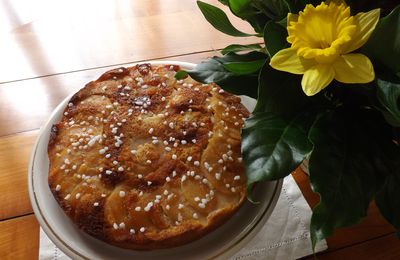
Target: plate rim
point(71, 252)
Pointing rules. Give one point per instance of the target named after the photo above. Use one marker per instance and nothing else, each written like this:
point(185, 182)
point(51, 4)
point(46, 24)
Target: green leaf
point(241, 85)
point(181, 74)
point(239, 48)
point(217, 18)
point(350, 156)
point(389, 96)
point(388, 200)
point(210, 70)
point(273, 9)
point(244, 68)
point(273, 147)
point(296, 6)
point(246, 57)
point(384, 44)
point(282, 22)
point(241, 8)
point(213, 70)
point(275, 38)
point(245, 10)
point(280, 92)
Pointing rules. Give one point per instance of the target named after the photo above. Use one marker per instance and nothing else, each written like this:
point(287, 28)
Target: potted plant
point(327, 84)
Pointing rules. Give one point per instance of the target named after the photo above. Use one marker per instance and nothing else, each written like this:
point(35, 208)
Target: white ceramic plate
point(218, 244)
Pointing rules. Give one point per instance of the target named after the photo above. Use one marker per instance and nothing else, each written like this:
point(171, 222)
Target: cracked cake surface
point(141, 160)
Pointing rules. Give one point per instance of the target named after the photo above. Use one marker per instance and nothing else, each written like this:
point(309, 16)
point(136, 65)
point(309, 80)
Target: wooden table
point(49, 49)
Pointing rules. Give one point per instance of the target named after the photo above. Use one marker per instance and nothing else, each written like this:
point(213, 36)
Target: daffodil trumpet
point(323, 39)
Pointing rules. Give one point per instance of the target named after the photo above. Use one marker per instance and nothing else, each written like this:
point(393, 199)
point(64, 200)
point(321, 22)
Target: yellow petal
point(366, 23)
point(292, 18)
point(317, 78)
point(287, 60)
point(354, 68)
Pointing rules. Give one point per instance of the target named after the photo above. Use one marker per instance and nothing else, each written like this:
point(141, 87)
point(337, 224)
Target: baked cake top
point(142, 160)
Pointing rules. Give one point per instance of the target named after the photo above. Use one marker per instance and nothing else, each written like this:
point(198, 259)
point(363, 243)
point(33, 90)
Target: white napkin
point(286, 233)
point(284, 236)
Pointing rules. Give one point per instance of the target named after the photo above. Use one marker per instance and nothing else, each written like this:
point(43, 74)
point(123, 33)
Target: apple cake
point(142, 160)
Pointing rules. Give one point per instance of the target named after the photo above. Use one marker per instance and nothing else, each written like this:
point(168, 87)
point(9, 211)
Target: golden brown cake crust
point(143, 161)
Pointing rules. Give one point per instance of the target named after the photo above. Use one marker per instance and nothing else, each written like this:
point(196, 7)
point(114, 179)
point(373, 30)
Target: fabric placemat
point(284, 236)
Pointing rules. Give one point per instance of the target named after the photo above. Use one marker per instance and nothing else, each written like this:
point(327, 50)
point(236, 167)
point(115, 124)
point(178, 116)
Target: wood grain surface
point(50, 49)
point(14, 158)
point(20, 112)
point(385, 248)
point(49, 37)
point(19, 238)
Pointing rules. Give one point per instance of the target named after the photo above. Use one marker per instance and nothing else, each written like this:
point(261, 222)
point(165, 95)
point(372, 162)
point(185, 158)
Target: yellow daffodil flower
point(322, 39)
